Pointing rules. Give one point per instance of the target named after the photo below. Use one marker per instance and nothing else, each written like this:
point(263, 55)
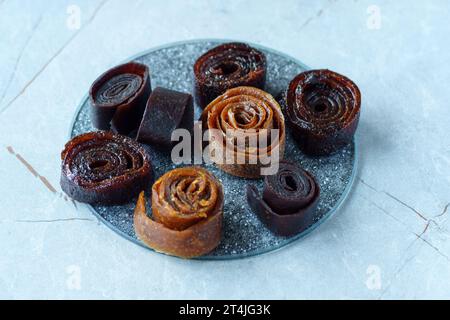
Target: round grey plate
point(243, 234)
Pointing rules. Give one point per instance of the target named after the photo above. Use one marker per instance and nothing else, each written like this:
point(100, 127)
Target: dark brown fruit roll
point(118, 97)
point(166, 111)
point(289, 200)
point(187, 206)
point(323, 111)
point(104, 168)
point(227, 66)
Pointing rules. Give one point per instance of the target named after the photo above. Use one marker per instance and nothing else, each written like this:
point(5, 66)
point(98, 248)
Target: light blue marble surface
point(390, 240)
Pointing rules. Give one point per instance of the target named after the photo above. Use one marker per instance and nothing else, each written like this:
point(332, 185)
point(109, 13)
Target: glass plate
point(243, 234)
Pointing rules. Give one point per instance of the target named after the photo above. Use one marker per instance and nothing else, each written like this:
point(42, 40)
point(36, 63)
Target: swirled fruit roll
point(187, 206)
point(166, 111)
point(288, 202)
point(104, 168)
point(118, 97)
point(323, 111)
point(227, 66)
point(247, 112)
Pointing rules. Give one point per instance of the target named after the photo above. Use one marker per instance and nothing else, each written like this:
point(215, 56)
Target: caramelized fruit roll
point(323, 111)
point(247, 113)
point(118, 97)
point(187, 206)
point(104, 168)
point(227, 66)
point(289, 200)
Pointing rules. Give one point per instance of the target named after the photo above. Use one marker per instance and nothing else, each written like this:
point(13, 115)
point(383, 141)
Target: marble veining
point(389, 240)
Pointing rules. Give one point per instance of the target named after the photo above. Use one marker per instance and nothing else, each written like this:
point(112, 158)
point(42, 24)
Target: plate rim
point(331, 212)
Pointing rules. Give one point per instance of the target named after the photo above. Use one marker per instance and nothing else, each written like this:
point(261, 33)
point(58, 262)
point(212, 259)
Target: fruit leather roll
point(227, 66)
point(118, 97)
point(323, 111)
point(104, 168)
point(166, 111)
point(288, 202)
point(245, 114)
point(187, 206)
